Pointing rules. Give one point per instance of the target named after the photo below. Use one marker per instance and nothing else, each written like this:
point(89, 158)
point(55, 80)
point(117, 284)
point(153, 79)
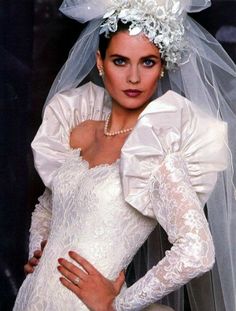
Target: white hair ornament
point(160, 21)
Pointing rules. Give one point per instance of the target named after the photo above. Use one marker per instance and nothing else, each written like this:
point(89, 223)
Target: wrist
point(111, 306)
point(105, 306)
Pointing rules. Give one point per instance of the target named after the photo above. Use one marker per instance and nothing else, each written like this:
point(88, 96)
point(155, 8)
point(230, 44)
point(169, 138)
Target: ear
point(99, 60)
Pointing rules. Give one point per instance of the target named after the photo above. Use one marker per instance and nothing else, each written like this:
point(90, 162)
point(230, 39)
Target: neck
point(122, 118)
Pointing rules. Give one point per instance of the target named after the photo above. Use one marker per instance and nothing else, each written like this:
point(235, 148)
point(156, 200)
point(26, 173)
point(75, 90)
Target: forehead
point(123, 43)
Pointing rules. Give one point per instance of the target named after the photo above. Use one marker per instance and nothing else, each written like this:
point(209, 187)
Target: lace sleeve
point(180, 213)
point(40, 222)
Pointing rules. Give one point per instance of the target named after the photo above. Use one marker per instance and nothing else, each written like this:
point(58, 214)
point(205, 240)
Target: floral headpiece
point(160, 21)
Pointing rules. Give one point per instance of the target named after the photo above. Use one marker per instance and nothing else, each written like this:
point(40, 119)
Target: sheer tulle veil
point(208, 78)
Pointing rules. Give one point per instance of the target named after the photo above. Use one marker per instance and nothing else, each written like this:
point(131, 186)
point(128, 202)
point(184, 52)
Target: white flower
point(135, 31)
point(161, 13)
point(123, 13)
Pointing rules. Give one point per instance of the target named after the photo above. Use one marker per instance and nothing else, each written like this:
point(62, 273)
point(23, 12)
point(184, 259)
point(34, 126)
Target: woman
point(117, 164)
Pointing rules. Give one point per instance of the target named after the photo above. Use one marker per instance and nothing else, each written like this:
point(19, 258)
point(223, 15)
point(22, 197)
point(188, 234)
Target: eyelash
point(121, 62)
point(150, 61)
point(117, 61)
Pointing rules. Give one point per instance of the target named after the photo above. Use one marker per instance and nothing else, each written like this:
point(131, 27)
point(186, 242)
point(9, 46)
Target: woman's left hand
point(96, 291)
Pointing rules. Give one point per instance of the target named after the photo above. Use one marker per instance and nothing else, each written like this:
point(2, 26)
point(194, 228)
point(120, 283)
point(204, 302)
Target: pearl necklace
point(107, 133)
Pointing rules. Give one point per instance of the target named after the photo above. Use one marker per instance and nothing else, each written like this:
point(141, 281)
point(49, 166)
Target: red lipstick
point(132, 93)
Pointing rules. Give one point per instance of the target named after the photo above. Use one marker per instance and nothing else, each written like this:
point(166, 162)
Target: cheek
point(113, 74)
point(150, 80)
point(113, 79)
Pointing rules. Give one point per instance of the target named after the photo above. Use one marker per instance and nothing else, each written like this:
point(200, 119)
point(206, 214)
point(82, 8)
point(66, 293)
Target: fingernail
point(71, 253)
point(60, 260)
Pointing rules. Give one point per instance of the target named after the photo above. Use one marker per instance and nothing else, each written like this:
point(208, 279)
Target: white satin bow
point(172, 126)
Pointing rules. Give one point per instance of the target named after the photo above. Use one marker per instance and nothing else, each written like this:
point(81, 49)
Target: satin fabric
point(51, 145)
point(172, 124)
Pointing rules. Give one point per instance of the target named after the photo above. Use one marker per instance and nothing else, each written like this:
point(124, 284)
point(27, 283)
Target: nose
point(134, 75)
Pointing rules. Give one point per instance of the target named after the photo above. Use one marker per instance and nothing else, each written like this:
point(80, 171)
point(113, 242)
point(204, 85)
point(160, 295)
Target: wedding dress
point(106, 212)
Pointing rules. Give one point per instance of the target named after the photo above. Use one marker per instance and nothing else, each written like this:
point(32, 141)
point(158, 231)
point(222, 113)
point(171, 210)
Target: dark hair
point(104, 41)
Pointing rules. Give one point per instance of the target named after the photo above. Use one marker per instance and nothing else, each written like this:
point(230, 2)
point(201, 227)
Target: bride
point(118, 160)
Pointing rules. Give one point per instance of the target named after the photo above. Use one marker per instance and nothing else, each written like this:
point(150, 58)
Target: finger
point(70, 276)
point(74, 288)
point(88, 267)
point(28, 269)
point(33, 261)
point(38, 253)
point(119, 281)
point(72, 268)
point(43, 244)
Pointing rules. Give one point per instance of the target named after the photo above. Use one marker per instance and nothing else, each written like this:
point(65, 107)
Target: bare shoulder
point(84, 133)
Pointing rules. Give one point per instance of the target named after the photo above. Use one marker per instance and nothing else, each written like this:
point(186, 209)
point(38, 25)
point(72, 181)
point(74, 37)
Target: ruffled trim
point(171, 125)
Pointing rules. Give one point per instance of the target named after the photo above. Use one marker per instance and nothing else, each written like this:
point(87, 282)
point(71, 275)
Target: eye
point(149, 62)
point(119, 61)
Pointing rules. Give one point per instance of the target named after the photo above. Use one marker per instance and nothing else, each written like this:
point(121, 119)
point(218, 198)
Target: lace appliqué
point(180, 213)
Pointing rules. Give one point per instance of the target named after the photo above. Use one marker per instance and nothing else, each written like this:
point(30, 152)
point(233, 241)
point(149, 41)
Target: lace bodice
point(89, 215)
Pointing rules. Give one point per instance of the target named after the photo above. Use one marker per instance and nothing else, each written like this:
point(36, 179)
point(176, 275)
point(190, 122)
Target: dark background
point(34, 42)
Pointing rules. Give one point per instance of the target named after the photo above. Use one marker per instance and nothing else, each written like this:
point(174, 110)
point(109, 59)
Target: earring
point(101, 72)
point(162, 73)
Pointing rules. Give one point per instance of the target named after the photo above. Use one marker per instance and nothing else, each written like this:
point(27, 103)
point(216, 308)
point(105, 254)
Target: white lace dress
point(105, 213)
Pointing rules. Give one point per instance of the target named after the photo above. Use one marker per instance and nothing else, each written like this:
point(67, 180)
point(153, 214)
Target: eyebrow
point(144, 57)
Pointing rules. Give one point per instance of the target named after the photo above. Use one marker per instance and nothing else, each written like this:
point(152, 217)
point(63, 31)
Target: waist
point(106, 256)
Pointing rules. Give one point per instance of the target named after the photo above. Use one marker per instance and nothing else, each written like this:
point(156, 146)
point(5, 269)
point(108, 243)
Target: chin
point(133, 103)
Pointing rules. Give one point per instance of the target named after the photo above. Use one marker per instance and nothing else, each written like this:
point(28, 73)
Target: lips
point(132, 93)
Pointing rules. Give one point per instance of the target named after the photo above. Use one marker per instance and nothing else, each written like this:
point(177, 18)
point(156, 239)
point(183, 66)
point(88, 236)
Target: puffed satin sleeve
point(66, 110)
point(169, 166)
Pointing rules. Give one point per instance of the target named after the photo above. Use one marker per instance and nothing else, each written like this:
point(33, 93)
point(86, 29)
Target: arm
point(40, 222)
point(180, 213)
